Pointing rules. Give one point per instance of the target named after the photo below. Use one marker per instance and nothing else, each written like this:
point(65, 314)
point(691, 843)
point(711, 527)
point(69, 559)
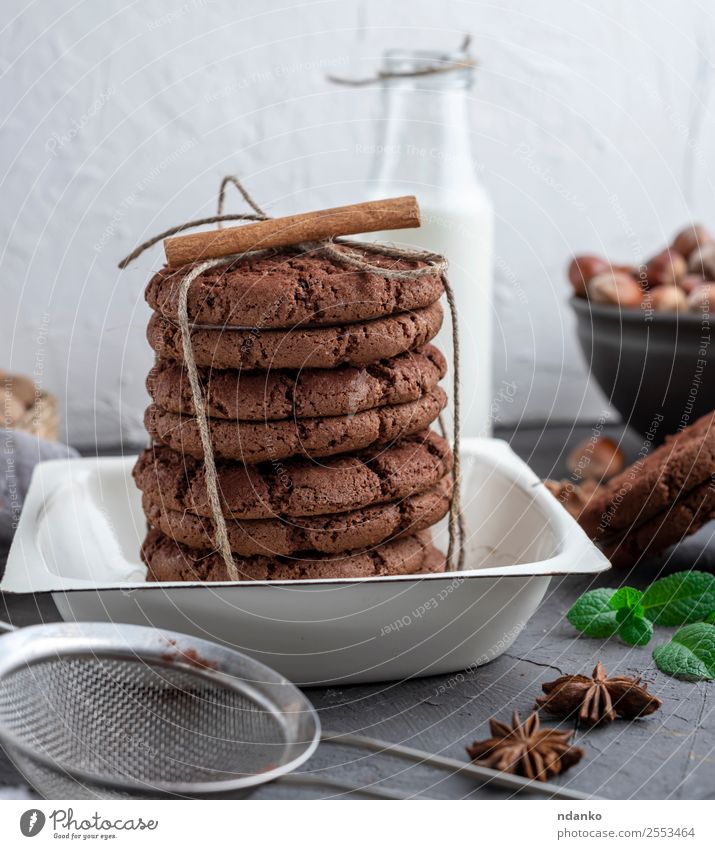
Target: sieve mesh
point(114, 711)
point(54, 783)
point(154, 724)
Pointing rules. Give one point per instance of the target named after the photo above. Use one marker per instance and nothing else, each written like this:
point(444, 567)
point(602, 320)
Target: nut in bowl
point(27, 407)
point(645, 332)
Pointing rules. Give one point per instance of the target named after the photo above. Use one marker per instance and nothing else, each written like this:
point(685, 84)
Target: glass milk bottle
point(425, 150)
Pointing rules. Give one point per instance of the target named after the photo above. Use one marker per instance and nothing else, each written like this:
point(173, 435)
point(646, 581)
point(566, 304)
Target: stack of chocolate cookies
point(658, 500)
point(320, 386)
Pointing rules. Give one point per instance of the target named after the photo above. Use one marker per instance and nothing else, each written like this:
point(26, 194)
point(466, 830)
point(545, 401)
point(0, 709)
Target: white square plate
point(82, 526)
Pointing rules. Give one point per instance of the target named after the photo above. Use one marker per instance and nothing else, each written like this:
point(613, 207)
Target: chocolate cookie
point(296, 487)
point(286, 288)
point(323, 347)
point(255, 442)
point(672, 524)
point(265, 396)
point(651, 484)
point(331, 534)
point(167, 560)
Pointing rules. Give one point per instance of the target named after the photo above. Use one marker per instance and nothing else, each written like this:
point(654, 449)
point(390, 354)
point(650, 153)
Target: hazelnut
point(585, 268)
point(573, 497)
point(702, 261)
point(700, 299)
point(690, 282)
point(691, 238)
point(668, 299)
point(596, 459)
point(627, 269)
point(11, 409)
point(22, 387)
point(666, 268)
point(615, 287)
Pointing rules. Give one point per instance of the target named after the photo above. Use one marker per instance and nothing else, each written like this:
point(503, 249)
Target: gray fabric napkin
point(19, 454)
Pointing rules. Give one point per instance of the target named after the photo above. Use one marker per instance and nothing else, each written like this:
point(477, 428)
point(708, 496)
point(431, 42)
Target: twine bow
point(345, 256)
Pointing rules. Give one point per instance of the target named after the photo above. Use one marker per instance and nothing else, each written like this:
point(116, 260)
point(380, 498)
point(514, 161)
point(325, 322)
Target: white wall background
point(119, 118)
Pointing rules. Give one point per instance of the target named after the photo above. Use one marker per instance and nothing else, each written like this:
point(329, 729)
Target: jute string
point(345, 255)
point(427, 71)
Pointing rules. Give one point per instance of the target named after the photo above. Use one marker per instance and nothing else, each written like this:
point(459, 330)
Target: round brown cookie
point(256, 442)
point(331, 534)
point(322, 347)
point(297, 487)
point(286, 288)
point(265, 396)
point(167, 560)
point(684, 461)
point(651, 537)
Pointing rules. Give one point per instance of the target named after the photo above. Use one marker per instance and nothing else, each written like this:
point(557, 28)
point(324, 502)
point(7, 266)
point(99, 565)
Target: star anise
point(526, 749)
point(599, 698)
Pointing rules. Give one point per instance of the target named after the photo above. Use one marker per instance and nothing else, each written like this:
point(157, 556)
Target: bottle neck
point(425, 137)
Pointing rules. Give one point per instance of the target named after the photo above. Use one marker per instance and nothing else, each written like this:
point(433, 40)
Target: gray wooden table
point(668, 755)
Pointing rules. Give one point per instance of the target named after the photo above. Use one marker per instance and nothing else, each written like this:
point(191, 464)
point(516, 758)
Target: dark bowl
point(653, 367)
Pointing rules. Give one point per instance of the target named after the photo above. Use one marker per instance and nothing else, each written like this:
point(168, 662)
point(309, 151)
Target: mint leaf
point(627, 598)
point(710, 618)
point(592, 615)
point(633, 629)
point(680, 598)
point(690, 654)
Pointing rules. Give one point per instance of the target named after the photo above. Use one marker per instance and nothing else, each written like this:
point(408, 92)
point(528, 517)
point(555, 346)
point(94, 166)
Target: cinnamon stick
point(388, 214)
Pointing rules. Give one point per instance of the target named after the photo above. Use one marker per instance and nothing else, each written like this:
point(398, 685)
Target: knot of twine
point(352, 259)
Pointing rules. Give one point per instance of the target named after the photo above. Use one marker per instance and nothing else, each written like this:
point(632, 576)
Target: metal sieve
point(112, 711)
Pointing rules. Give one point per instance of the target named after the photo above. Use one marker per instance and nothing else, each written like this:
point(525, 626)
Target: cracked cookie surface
point(287, 288)
point(308, 393)
point(296, 487)
point(330, 534)
point(653, 483)
point(672, 524)
point(168, 560)
point(322, 347)
point(256, 442)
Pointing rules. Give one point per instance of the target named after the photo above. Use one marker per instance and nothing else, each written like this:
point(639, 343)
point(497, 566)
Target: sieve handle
point(312, 780)
point(6, 626)
point(493, 776)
